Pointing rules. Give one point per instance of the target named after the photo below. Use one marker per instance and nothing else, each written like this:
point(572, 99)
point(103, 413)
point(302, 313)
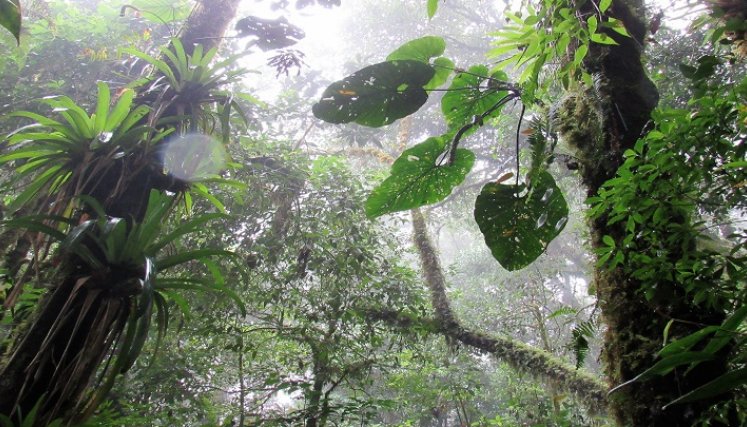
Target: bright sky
point(326, 41)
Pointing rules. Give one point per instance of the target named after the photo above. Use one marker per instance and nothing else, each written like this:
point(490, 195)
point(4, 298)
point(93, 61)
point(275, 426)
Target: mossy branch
point(517, 354)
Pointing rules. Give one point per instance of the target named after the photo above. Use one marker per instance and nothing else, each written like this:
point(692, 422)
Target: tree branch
point(517, 354)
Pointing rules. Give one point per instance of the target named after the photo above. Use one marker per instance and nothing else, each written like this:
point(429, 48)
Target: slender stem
point(518, 132)
point(242, 385)
point(477, 121)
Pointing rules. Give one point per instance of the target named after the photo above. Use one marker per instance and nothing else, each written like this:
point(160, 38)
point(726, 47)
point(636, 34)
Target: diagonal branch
point(517, 354)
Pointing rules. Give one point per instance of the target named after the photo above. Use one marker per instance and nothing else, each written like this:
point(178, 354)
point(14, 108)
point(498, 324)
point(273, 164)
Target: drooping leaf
point(727, 332)
point(581, 334)
point(418, 178)
point(519, 222)
point(667, 364)
point(722, 384)
point(422, 49)
point(685, 343)
point(10, 17)
point(376, 95)
point(470, 95)
point(432, 8)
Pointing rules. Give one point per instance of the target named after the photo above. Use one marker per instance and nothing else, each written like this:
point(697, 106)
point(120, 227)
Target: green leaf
point(202, 191)
point(602, 38)
point(120, 110)
point(563, 311)
point(162, 11)
point(592, 24)
point(518, 223)
point(604, 5)
point(10, 17)
point(5, 421)
point(376, 95)
point(188, 227)
point(617, 26)
point(666, 365)
point(735, 165)
point(580, 54)
point(432, 8)
point(34, 189)
point(195, 255)
point(422, 49)
point(685, 343)
point(34, 223)
point(417, 178)
point(727, 331)
point(722, 384)
point(443, 67)
point(162, 66)
point(467, 97)
point(102, 107)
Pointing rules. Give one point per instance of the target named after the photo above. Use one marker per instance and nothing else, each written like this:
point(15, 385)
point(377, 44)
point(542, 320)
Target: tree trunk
point(208, 23)
point(313, 408)
point(55, 355)
point(624, 99)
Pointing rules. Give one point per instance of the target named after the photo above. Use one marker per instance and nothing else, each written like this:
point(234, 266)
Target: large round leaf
point(470, 95)
point(10, 17)
point(420, 176)
point(422, 49)
point(376, 95)
point(518, 227)
point(444, 66)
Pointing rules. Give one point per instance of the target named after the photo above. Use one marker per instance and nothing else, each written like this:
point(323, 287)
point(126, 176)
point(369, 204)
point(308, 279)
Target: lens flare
point(193, 157)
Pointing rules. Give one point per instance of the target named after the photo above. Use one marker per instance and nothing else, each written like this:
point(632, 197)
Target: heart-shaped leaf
point(518, 223)
point(376, 95)
point(422, 49)
point(420, 176)
point(443, 66)
point(471, 94)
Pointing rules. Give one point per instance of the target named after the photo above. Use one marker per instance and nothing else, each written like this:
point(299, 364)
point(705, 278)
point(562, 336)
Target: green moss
point(579, 122)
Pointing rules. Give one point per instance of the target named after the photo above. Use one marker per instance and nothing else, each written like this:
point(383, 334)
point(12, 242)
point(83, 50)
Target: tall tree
point(603, 115)
point(102, 299)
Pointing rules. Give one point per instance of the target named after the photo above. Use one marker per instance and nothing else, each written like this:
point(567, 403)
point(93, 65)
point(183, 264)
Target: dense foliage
point(178, 252)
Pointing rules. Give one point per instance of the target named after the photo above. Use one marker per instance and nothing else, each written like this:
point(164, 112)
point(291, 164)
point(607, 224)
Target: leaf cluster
point(428, 172)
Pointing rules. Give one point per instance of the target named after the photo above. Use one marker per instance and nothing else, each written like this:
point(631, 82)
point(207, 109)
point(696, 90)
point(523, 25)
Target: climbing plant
point(649, 259)
point(428, 172)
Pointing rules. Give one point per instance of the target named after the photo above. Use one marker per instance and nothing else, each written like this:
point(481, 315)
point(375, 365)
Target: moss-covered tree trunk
point(624, 99)
point(56, 354)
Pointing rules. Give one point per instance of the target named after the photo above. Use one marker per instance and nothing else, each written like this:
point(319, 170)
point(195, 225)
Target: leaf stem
point(518, 132)
point(478, 121)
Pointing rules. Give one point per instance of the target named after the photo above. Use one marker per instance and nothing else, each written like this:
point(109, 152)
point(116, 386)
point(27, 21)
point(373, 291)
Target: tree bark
point(208, 23)
point(625, 98)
